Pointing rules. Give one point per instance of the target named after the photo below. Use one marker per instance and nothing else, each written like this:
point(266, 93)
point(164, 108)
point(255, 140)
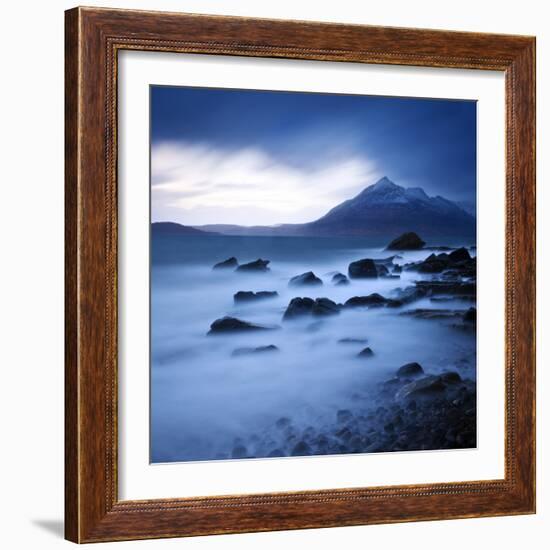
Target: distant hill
point(171, 228)
point(380, 210)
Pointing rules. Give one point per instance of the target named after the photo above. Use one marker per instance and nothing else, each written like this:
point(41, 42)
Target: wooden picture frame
point(93, 511)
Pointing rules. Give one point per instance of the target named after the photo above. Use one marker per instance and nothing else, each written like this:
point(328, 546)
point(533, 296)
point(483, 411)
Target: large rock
point(425, 387)
point(410, 369)
point(298, 307)
point(451, 377)
point(372, 300)
point(320, 307)
point(257, 265)
point(459, 255)
point(363, 269)
point(231, 324)
point(249, 296)
point(365, 353)
point(407, 241)
point(434, 263)
point(323, 307)
point(230, 263)
point(305, 279)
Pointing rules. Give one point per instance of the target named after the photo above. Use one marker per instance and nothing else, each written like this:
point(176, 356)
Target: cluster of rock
point(258, 265)
point(411, 411)
point(453, 276)
point(318, 307)
point(455, 264)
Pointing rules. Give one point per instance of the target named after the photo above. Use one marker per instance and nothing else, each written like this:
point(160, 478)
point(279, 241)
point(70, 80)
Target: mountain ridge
point(173, 228)
point(383, 209)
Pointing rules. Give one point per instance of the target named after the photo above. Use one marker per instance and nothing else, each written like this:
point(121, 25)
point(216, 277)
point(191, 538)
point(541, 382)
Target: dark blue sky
point(415, 142)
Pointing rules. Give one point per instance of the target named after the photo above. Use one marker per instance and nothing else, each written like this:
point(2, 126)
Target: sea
point(205, 400)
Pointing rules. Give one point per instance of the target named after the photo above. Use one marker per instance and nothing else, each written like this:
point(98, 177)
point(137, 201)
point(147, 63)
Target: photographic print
point(313, 274)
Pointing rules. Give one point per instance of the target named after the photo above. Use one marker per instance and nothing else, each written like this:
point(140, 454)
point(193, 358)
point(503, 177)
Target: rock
point(232, 324)
point(382, 270)
point(343, 415)
point(230, 263)
point(434, 264)
point(456, 265)
point(451, 377)
point(323, 307)
point(407, 295)
point(366, 352)
point(352, 341)
point(407, 241)
point(342, 282)
point(410, 369)
point(372, 300)
point(459, 255)
point(320, 307)
point(257, 265)
point(250, 351)
point(427, 386)
point(363, 269)
point(397, 269)
point(300, 449)
point(340, 278)
point(470, 316)
point(239, 451)
point(298, 307)
point(248, 296)
point(305, 279)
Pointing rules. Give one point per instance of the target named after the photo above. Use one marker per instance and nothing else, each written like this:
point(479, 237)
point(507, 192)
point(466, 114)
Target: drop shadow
point(55, 527)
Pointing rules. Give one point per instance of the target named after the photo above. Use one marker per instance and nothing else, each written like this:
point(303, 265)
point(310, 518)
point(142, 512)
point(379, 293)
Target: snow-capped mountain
point(386, 208)
point(383, 210)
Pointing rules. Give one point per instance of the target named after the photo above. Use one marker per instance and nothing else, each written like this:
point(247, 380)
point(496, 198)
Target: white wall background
point(31, 272)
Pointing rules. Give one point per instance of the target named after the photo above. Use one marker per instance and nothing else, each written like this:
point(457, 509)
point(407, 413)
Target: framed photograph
point(300, 275)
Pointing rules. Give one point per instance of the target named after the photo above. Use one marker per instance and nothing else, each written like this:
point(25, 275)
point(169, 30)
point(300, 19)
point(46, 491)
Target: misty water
point(204, 401)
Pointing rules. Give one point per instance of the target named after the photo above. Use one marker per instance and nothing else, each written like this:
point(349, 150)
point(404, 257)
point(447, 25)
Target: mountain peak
point(385, 206)
point(383, 184)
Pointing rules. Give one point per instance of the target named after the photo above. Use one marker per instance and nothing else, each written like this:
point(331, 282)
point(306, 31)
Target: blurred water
point(203, 399)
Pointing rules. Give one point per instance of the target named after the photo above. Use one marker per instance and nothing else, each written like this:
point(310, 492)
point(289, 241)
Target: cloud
point(199, 184)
